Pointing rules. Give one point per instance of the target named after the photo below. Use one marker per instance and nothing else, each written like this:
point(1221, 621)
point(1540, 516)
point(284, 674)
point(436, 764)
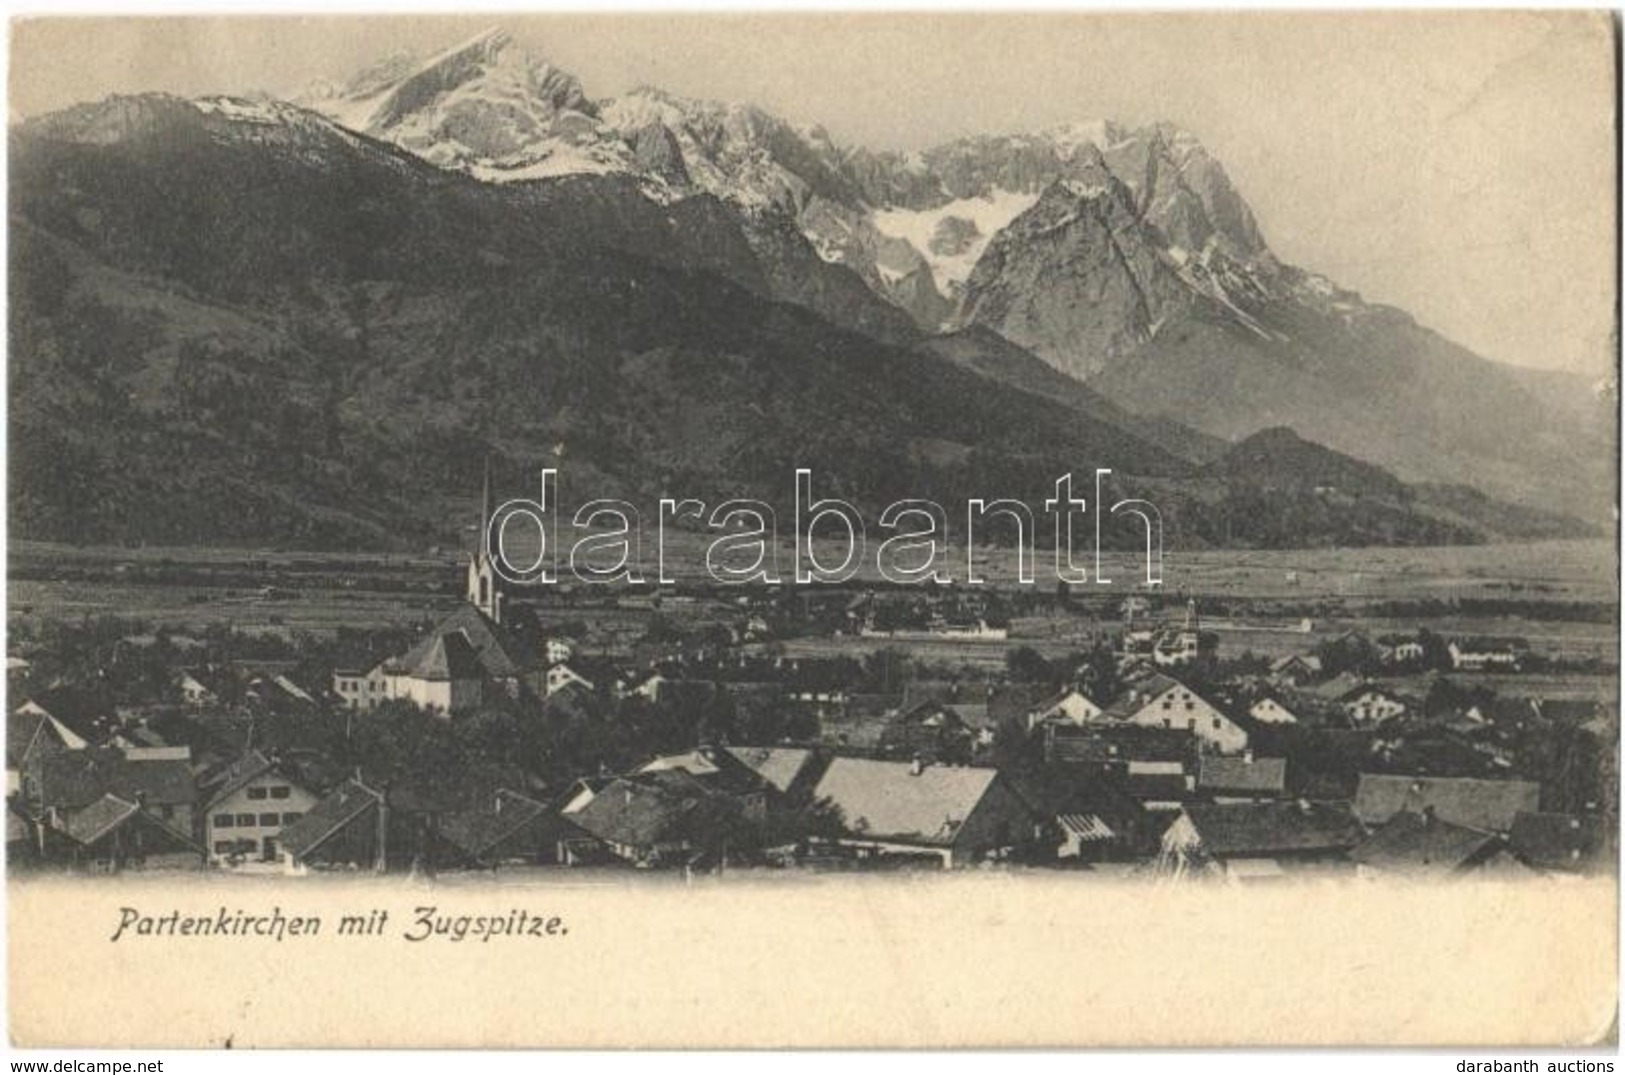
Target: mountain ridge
point(1173, 306)
point(235, 321)
point(1125, 287)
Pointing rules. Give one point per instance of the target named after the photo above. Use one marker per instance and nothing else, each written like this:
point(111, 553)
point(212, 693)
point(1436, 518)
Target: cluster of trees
point(1094, 670)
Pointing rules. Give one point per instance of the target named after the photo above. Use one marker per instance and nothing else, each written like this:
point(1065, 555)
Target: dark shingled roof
point(91, 823)
point(1261, 829)
point(647, 810)
point(1119, 743)
point(498, 654)
point(85, 713)
point(21, 728)
point(1423, 844)
point(1053, 790)
point(786, 768)
point(1556, 841)
point(348, 802)
point(1570, 710)
point(1258, 776)
point(476, 832)
point(76, 778)
point(1489, 805)
point(1142, 693)
point(449, 657)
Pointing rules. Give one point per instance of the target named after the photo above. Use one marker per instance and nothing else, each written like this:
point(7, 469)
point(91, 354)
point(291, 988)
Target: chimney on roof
point(1247, 756)
point(916, 766)
point(1304, 806)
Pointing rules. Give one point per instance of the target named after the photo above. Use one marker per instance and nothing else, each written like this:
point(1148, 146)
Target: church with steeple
point(476, 653)
point(484, 585)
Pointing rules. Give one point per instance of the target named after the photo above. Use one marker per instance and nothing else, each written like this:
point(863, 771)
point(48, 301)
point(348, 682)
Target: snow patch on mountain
point(918, 227)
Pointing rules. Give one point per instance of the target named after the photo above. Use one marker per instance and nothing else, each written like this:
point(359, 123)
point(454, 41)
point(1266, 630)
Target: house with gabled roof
point(73, 779)
point(1423, 845)
point(663, 818)
point(1479, 654)
point(1336, 688)
point(352, 827)
point(792, 771)
point(1160, 701)
point(256, 798)
point(1080, 815)
point(31, 736)
point(932, 730)
point(1559, 843)
point(82, 714)
point(511, 829)
point(1369, 704)
point(1240, 778)
point(955, 815)
point(1573, 712)
point(1488, 805)
point(1295, 669)
point(1400, 649)
point(199, 687)
point(465, 658)
point(273, 690)
point(1069, 706)
point(1273, 709)
point(720, 772)
point(580, 792)
point(113, 833)
point(1246, 842)
point(562, 677)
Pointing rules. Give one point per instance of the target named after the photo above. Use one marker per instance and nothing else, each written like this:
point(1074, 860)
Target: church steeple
point(482, 578)
point(485, 508)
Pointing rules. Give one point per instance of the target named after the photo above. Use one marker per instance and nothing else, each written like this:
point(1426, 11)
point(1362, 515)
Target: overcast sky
point(1458, 165)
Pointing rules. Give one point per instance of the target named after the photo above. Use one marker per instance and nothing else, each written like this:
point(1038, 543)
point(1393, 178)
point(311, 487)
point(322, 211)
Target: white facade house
point(1163, 702)
point(1486, 654)
point(1270, 710)
point(1070, 706)
point(1372, 705)
point(245, 818)
point(561, 676)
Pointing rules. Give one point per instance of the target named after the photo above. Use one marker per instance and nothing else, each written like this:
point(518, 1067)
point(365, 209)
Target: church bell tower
point(482, 577)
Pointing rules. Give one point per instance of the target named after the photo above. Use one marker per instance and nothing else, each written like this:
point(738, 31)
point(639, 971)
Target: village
point(507, 737)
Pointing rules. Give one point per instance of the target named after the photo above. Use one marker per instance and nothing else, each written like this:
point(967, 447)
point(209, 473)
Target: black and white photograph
point(928, 529)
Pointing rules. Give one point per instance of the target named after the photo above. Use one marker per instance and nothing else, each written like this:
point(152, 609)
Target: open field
point(1552, 570)
point(275, 590)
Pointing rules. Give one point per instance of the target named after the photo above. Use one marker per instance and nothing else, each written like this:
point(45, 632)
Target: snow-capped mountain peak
point(912, 225)
point(486, 106)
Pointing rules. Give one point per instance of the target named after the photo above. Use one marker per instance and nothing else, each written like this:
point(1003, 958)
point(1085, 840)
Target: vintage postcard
point(804, 529)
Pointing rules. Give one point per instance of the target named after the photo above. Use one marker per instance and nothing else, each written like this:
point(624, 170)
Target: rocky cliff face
point(910, 225)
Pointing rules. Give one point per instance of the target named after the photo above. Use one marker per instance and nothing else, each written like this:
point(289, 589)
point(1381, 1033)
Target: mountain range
point(245, 318)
